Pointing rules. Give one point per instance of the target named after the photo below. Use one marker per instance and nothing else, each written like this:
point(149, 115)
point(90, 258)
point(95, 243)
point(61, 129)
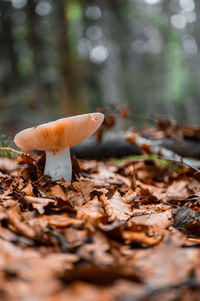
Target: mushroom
point(56, 138)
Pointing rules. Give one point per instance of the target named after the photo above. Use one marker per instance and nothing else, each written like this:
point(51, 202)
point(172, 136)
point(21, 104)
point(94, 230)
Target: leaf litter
point(128, 231)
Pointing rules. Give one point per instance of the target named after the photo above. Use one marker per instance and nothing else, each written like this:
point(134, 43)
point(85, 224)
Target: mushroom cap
point(59, 134)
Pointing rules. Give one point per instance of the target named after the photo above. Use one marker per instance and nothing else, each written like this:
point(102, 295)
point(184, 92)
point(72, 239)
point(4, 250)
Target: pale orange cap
point(59, 134)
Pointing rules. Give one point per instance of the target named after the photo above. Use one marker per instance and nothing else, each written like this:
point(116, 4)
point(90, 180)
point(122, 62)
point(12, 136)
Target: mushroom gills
point(58, 165)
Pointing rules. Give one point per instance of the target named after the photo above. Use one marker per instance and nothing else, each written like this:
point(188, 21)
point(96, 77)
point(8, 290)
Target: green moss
point(4, 142)
point(163, 163)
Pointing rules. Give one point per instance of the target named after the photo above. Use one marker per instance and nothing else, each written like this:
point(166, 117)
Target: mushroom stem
point(58, 165)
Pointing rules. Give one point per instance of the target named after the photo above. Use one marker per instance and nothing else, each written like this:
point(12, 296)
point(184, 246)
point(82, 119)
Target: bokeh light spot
point(152, 1)
point(94, 32)
point(43, 8)
point(178, 21)
point(19, 3)
point(189, 44)
point(187, 5)
point(93, 12)
point(98, 54)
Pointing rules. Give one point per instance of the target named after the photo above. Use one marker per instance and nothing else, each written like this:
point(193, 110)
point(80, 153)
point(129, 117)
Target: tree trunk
point(35, 45)
point(8, 53)
point(70, 90)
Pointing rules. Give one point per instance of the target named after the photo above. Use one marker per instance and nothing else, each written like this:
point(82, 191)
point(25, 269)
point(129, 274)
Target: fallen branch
point(155, 147)
point(10, 150)
point(114, 145)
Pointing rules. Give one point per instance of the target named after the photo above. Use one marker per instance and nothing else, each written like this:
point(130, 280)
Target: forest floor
point(123, 230)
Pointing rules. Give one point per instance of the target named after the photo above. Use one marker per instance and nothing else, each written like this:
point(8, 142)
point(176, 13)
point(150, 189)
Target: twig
point(116, 112)
point(156, 148)
point(11, 150)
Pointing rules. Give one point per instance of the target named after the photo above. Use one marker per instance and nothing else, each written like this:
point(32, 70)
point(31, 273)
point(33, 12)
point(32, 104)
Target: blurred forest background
point(66, 57)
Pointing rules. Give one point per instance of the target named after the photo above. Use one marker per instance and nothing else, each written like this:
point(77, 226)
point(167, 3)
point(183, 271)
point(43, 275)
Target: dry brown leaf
point(57, 192)
point(56, 221)
point(162, 220)
point(28, 189)
point(20, 225)
point(115, 208)
point(97, 238)
point(39, 203)
point(92, 209)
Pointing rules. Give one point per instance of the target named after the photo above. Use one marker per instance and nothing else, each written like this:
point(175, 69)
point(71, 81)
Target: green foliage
point(4, 143)
point(179, 78)
point(163, 163)
point(74, 11)
point(160, 20)
point(25, 66)
point(147, 69)
point(74, 16)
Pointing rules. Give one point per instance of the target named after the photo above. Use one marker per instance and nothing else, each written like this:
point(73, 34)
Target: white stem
point(58, 165)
